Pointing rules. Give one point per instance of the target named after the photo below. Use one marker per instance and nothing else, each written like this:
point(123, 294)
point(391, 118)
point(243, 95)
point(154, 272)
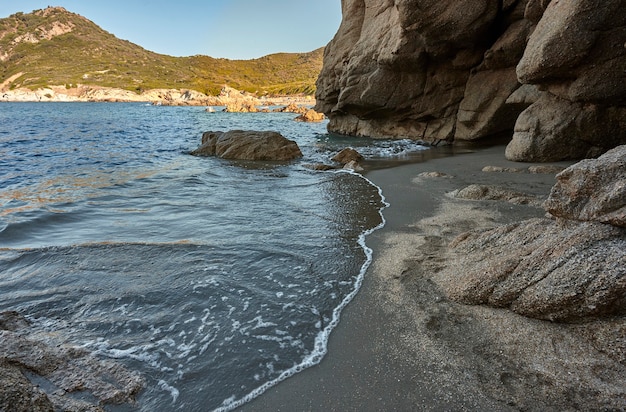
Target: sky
point(232, 29)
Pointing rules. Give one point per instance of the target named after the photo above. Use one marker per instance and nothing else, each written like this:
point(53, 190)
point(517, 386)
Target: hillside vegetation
point(56, 47)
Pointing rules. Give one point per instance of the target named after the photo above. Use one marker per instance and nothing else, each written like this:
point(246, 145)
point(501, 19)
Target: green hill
point(56, 47)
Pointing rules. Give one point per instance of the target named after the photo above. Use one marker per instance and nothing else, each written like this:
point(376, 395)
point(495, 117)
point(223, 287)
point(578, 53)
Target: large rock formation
point(466, 70)
point(570, 268)
point(577, 56)
point(248, 145)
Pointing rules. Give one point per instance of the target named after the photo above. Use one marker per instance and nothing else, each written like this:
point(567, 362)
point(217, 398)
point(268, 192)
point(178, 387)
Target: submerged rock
point(248, 145)
point(12, 320)
point(18, 394)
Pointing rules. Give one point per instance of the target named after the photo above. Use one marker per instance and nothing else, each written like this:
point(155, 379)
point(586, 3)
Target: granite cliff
point(550, 73)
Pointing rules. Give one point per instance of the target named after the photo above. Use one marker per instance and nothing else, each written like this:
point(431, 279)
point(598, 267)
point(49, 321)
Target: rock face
point(466, 70)
point(248, 145)
point(566, 269)
point(577, 55)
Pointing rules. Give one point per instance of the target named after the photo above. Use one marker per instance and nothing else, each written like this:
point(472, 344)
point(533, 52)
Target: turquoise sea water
point(213, 279)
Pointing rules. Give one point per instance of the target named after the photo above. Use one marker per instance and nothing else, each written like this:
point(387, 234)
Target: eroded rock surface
point(248, 145)
point(491, 192)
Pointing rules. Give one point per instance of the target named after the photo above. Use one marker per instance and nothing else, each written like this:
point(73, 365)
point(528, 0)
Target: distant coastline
point(164, 97)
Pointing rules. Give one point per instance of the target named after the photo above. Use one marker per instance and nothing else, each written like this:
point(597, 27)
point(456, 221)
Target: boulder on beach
point(593, 189)
point(248, 145)
point(566, 269)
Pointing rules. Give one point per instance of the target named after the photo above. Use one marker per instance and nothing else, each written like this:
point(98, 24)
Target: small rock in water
point(66, 369)
point(353, 165)
point(12, 320)
point(347, 155)
point(311, 116)
point(320, 166)
point(248, 145)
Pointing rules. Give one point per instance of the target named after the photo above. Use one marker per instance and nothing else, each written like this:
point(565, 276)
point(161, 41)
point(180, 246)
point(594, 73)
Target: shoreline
point(402, 345)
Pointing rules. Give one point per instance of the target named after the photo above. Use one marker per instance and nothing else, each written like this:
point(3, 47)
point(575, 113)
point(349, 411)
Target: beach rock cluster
point(248, 145)
point(550, 72)
point(567, 268)
point(74, 379)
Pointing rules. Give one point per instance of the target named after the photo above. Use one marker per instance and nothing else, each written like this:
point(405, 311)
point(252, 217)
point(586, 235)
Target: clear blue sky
point(233, 29)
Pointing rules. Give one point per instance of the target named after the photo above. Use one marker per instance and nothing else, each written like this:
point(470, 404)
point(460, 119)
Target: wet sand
point(402, 345)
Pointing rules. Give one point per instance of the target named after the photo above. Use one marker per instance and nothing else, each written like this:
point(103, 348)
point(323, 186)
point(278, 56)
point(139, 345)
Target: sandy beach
point(402, 345)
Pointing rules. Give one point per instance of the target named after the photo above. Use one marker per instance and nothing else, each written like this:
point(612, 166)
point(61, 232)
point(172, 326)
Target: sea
point(212, 279)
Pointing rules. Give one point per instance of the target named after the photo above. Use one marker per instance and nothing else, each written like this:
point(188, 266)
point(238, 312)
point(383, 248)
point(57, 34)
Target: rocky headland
point(551, 74)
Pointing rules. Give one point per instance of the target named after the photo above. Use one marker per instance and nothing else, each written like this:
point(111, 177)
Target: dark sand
point(402, 345)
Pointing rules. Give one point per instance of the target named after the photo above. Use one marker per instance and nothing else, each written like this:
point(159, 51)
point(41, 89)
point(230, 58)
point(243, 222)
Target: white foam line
point(321, 340)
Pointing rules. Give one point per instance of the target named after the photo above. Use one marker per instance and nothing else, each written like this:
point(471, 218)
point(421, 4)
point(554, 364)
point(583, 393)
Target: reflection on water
point(63, 189)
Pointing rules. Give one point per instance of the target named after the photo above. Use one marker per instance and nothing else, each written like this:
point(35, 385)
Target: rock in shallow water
point(17, 394)
point(248, 145)
point(310, 116)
